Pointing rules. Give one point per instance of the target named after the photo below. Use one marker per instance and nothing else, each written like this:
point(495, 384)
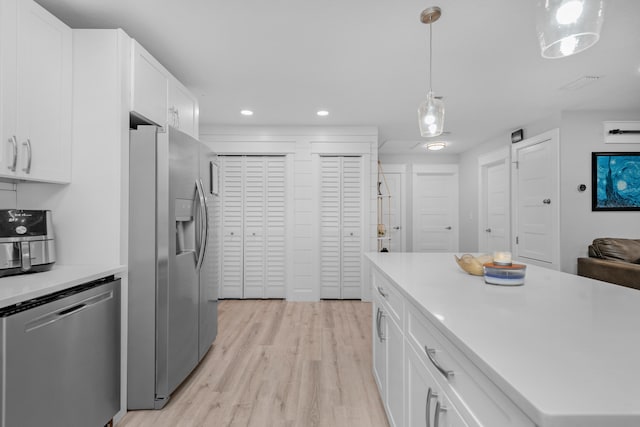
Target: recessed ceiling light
point(322, 113)
point(435, 146)
point(246, 112)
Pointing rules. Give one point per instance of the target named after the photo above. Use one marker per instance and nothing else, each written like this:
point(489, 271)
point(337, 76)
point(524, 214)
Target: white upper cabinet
point(158, 97)
point(36, 96)
point(149, 86)
point(183, 112)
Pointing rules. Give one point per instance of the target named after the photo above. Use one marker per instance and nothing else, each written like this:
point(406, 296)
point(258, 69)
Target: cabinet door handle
point(448, 228)
point(547, 201)
point(439, 409)
point(14, 163)
point(380, 316)
point(431, 352)
point(488, 230)
point(430, 395)
point(382, 292)
point(378, 323)
point(397, 227)
point(27, 143)
point(436, 415)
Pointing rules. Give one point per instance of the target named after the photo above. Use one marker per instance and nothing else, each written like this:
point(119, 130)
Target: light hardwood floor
point(278, 363)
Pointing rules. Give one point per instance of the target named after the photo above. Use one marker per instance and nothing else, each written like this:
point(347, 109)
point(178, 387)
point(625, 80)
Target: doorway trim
point(400, 169)
point(553, 136)
point(502, 155)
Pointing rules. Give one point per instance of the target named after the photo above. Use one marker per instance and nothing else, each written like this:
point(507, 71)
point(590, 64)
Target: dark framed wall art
point(615, 181)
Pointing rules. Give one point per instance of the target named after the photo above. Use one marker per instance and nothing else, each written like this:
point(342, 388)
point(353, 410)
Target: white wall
point(8, 196)
point(299, 144)
point(470, 187)
point(580, 134)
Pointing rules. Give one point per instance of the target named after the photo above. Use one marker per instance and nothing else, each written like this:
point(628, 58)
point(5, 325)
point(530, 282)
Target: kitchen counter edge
point(24, 287)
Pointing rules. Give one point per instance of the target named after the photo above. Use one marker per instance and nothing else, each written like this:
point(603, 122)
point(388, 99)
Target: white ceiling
point(366, 61)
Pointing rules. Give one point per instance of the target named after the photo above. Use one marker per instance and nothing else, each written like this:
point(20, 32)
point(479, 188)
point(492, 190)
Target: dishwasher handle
point(68, 311)
point(71, 309)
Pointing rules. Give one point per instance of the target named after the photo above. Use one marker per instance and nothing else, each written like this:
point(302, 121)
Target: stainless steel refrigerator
point(173, 289)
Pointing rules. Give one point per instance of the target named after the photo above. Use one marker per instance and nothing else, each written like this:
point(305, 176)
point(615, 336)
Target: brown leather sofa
point(613, 260)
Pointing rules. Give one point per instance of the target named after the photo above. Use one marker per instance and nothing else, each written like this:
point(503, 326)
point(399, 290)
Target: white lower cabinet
point(388, 355)
point(427, 404)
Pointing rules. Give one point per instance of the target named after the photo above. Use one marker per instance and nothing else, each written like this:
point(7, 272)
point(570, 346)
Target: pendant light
point(431, 111)
point(567, 27)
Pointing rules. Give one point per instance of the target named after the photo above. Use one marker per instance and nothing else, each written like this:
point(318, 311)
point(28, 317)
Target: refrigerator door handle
point(203, 224)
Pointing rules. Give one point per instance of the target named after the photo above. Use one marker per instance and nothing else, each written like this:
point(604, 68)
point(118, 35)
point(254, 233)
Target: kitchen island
point(562, 349)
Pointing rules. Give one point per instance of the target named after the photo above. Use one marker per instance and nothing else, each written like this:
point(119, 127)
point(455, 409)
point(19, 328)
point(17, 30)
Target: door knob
point(488, 230)
point(547, 201)
point(448, 228)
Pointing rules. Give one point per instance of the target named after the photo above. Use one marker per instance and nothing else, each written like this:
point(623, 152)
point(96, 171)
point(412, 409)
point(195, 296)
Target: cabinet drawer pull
point(427, 415)
point(436, 416)
point(382, 292)
point(431, 352)
point(14, 163)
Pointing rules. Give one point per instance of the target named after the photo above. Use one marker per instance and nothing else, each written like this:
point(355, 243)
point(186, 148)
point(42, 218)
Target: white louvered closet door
point(275, 227)
point(254, 224)
point(254, 235)
point(330, 224)
point(351, 226)
point(340, 225)
point(232, 180)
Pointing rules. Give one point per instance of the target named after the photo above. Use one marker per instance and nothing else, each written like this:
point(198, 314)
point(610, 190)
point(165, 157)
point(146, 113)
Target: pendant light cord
point(430, 58)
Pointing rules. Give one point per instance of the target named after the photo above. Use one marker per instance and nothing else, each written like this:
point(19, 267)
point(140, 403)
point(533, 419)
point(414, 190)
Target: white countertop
point(564, 348)
point(23, 287)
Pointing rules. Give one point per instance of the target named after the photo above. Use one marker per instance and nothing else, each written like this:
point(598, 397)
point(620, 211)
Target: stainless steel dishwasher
point(61, 358)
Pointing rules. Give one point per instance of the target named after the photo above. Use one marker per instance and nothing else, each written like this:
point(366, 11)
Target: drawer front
point(463, 382)
point(389, 295)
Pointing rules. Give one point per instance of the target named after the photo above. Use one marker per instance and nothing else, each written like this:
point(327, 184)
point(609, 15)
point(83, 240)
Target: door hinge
point(517, 240)
point(517, 163)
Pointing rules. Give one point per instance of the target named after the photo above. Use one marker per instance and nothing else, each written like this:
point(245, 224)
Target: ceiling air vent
point(580, 82)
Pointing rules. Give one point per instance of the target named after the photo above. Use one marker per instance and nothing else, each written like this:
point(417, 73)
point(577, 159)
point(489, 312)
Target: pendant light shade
point(431, 116)
point(567, 27)
point(431, 111)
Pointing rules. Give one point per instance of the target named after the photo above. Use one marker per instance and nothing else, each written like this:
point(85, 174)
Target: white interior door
point(435, 208)
point(536, 202)
point(494, 220)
